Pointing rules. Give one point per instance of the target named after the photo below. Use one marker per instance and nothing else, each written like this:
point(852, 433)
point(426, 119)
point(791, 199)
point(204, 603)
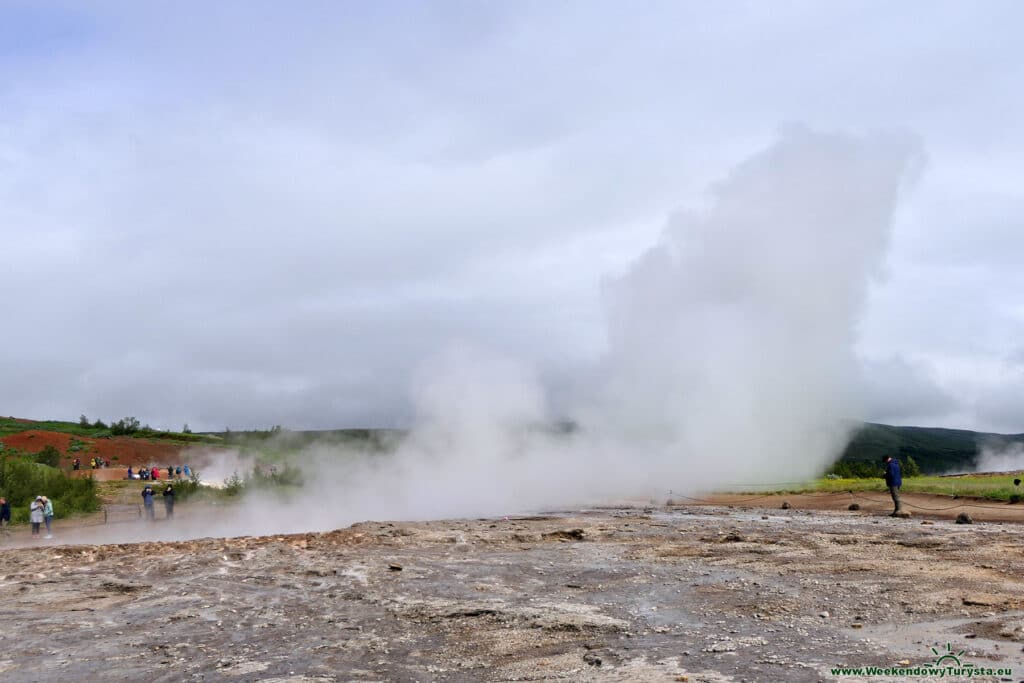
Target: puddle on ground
point(918, 639)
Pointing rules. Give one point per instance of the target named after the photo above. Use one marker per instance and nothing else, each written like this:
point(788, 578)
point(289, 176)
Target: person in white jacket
point(48, 515)
point(35, 514)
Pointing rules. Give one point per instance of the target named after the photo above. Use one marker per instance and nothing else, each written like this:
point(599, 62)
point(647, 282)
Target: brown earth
point(116, 450)
point(707, 594)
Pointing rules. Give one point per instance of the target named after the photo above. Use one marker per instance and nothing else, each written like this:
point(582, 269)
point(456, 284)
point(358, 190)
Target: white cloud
point(213, 201)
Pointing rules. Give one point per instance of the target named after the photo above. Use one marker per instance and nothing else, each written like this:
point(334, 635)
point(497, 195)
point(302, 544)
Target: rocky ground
point(618, 594)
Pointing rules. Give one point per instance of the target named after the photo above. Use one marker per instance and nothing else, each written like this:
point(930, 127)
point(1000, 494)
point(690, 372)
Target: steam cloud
point(730, 360)
point(1000, 457)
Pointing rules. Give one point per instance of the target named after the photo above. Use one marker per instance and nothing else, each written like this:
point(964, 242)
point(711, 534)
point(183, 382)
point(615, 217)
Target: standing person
point(170, 472)
point(35, 515)
point(177, 472)
point(5, 515)
point(147, 501)
point(130, 475)
point(187, 471)
point(894, 480)
point(77, 465)
point(154, 473)
point(169, 500)
point(48, 515)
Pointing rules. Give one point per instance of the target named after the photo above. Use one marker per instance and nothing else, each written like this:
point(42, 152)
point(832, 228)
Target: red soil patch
point(36, 440)
point(119, 451)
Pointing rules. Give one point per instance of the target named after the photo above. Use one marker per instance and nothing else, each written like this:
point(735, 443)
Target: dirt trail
point(619, 594)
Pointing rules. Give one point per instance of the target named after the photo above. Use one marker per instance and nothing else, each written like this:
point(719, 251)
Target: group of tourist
point(155, 473)
point(40, 511)
point(147, 501)
point(94, 463)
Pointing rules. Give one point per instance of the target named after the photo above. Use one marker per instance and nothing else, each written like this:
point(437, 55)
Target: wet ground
point(617, 594)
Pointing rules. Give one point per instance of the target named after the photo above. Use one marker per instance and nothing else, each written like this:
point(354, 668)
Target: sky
point(243, 214)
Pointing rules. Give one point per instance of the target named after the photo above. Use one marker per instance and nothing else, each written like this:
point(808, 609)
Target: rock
point(723, 646)
point(855, 625)
point(824, 614)
point(786, 505)
point(980, 600)
point(854, 506)
point(964, 518)
point(925, 521)
point(395, 567)
point(564, 535)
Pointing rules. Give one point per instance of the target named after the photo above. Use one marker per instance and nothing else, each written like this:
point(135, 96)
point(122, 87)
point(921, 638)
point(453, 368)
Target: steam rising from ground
point(730, 355)
point(1001, 457)
point(730, 361)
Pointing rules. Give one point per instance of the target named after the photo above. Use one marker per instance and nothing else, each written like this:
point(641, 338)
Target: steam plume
point(730, 360)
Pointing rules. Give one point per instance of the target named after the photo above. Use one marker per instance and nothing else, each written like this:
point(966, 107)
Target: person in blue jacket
point(894, 480)
point(147, 501)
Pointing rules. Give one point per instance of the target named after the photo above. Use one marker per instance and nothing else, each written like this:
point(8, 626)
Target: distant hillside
point(935, 450)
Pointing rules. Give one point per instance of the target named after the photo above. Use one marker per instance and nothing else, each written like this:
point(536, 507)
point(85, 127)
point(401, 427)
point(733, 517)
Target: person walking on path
point(147, 501)
point(48, 516)
point(35, 515)
point(894, 480)
point(5, 515)
point(169, 500)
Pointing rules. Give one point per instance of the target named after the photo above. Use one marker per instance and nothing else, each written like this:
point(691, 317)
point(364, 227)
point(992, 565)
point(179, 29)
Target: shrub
point(125, 426)
point(21, 480)
point(99, 424)
point(233, 485)
point(83, 421)
point(49, 456)
point(186, 488)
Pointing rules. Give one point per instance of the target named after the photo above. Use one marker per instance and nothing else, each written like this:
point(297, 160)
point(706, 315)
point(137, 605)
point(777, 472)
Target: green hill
point(935, 450)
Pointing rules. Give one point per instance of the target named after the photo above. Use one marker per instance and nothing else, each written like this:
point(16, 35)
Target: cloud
point(900, 391)
point(211, 197)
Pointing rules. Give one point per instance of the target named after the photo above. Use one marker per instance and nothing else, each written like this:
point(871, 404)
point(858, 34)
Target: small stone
point(856, 625)
point(395, 567)
point(854, 506)
point(824, 614)
point(786, 505)
point(964, 518)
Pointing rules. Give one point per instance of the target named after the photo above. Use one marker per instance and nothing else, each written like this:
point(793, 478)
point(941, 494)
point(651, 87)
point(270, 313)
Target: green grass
point(989, 487)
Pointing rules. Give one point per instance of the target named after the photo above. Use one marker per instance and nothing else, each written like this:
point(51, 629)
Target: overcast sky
point(246, 214)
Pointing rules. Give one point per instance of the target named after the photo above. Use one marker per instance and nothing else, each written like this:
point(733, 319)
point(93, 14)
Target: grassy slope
point(9, 425)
